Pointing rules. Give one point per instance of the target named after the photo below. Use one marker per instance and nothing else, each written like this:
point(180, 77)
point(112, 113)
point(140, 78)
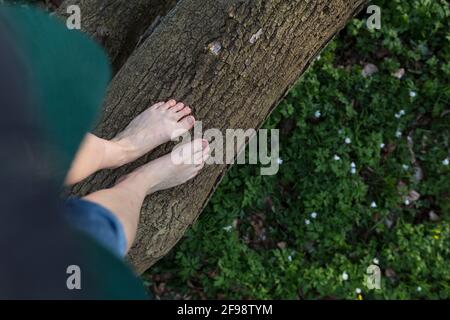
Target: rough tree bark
point(119, 25)
point(232, 61)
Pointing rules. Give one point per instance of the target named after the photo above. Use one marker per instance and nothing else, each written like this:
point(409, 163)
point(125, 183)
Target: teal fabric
point(69, 74)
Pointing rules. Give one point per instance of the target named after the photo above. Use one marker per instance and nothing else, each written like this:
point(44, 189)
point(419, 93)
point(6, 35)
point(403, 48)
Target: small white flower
point(358, 290)
point(376, 261)
point(307, 222)
point(348, 140)
point(340, 131)
point(405, 167)
point(317, 114)
point(407, 202)
point(419, 289)
point(400, 114)
point(280, 161)
point(353, 171)
point(313, 215)
point(398, 134)
point(290, 258)
point(382, 145)
point(373, 204)
point(352, 165)
point(412, 94)
point(345, 276)
point(445, 162)
point(318, 57)
point(228, 228)
point(336, 157)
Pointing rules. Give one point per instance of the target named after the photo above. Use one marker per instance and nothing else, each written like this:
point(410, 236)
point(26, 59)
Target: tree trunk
point(232, 61)
point(119, 25)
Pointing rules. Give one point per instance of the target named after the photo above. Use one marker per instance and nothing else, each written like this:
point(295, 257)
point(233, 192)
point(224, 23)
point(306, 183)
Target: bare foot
point(157, 125)
point(173, 169)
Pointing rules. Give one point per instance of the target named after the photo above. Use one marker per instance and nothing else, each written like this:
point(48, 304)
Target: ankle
point(133, 192)
point(139, 183)
point(116, 154)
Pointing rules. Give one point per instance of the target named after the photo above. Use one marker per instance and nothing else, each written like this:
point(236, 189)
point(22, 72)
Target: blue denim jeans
point(97, 222)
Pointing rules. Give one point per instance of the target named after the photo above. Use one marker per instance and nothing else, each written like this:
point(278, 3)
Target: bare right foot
point(171, 170)
point(156, 125)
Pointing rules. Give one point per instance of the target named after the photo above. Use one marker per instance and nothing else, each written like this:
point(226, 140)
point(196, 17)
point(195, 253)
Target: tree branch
point(118, 25)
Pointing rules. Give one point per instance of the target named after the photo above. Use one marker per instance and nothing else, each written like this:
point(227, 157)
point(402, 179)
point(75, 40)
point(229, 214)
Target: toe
point(189, 151)
point(184, 112)
point(200, 158)
point(188, 122)
point(198, 145)
point(205, 145)
point(169, 104)
point(201, 147)
point(202, 155)
point(206, 153)
point(179, 106)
